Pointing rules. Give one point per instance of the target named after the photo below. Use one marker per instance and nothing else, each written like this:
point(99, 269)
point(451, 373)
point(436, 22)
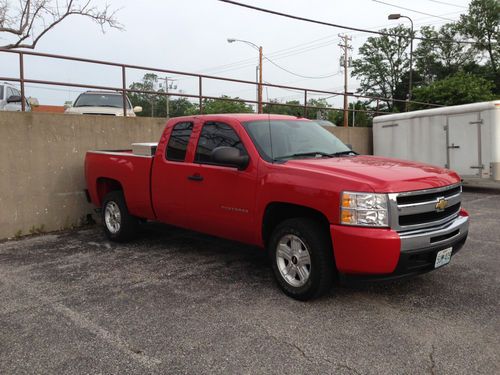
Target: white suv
point(101, 103)
point(10, 98)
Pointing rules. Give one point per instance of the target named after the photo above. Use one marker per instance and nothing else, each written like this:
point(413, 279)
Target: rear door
point(169, 175)
point(464, 133)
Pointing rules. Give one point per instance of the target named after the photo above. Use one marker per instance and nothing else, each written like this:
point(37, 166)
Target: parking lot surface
point(177, 302)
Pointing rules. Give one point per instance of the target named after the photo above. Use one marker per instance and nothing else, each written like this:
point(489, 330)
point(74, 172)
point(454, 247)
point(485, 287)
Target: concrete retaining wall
point(41, 164)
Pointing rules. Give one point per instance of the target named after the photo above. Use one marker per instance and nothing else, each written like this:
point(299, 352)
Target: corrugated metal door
point(464, 148)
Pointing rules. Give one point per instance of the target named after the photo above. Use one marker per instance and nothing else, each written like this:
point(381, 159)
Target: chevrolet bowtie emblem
point(441, 204)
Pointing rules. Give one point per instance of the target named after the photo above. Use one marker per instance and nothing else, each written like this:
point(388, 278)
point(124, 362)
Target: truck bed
point(104, 169)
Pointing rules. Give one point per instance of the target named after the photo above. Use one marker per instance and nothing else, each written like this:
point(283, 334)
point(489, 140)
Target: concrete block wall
point(42, 157)
point(41, 165)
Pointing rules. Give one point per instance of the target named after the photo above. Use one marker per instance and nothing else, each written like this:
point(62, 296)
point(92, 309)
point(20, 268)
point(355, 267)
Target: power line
point(286, 15)
point(450, 4)
point(299, 75)
point(414, 11)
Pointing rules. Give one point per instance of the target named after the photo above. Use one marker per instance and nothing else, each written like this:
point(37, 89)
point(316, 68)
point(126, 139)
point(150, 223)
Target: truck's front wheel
point(119, 225)
point(301, 258)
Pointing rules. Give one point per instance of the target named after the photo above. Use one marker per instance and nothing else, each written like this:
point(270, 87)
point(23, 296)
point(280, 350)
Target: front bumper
point(383, 254)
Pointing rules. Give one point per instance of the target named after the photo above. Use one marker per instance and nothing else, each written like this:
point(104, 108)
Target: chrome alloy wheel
point(112, 217)
point(293, 260)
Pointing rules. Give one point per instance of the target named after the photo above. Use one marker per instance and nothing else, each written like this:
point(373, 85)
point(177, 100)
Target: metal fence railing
point(124, 68)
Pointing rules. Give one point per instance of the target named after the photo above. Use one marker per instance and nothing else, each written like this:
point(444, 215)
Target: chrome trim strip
point(117, 153)
point(426, 191)
point(419, 241)
point(427, 206)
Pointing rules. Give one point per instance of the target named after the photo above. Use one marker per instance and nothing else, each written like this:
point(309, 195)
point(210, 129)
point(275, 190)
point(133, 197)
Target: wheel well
point(277, 212)
point(106, 185)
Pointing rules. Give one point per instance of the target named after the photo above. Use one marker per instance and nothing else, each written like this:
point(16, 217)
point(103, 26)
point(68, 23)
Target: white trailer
point(465, 138)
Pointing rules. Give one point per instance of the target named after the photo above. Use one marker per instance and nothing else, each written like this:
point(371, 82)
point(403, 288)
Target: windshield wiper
point(342, 153)
point(313, 153)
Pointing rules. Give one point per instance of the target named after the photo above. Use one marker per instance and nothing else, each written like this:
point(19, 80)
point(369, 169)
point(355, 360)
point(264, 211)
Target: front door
point(464, 133)
point(221, 199)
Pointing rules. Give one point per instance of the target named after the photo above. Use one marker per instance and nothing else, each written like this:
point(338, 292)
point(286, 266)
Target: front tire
point(119, 225)
point(302, 258)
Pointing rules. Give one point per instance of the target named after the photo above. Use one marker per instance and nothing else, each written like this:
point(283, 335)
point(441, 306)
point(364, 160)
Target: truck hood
point(110, 111)
point(384, 175)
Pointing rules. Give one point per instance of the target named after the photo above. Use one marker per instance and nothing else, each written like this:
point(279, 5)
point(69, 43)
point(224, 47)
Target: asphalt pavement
point(177, 302)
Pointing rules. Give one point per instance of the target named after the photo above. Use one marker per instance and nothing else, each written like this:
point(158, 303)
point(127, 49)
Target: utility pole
point(344, 44)
point(168, 86)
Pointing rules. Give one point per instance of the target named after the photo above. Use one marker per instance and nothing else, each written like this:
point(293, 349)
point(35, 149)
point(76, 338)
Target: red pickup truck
point(288, 185)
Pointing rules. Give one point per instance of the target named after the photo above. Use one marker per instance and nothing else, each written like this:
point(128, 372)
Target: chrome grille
point(417, 209)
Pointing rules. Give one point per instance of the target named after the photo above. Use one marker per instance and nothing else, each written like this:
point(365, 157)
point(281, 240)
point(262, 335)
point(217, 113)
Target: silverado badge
point(441, 204)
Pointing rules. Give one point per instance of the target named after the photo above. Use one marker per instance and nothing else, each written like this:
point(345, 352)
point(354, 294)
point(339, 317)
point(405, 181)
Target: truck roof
point(247, 116)
point(449, 110)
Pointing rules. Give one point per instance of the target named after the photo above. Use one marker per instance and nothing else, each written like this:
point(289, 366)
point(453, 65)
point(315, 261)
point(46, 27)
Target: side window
point(1, 92)
point(9, 93)
point(16, 92)
point(213, 135)
point(179, 139)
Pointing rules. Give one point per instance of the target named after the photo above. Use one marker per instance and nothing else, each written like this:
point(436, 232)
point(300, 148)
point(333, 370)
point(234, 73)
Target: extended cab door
point(169, 174)
point(221, 199)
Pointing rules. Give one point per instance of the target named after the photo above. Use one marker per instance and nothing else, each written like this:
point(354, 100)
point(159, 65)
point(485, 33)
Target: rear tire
point(301, 256)
point(119, 225)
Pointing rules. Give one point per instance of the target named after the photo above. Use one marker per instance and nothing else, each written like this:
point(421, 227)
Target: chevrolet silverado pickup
point(290, 186)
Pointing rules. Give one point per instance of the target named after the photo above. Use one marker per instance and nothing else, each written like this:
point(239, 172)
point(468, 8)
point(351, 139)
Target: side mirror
point(230, 156)
point(33, 102)
point(14, 99)
point(137, 109)
point(349, 145)
point(68, 105)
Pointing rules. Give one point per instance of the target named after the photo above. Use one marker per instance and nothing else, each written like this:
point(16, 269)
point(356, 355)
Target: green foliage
point(383, 61)
point(223, 105)
point(439, 55)
point(291, 108)
point(482, 23)
point(460, 88)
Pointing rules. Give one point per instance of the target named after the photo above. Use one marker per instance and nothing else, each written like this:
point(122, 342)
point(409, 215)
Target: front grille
point(418, 209)
point(409, 199)
point(428, 217)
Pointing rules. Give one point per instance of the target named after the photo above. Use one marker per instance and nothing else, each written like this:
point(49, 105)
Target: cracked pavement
point(178, 302)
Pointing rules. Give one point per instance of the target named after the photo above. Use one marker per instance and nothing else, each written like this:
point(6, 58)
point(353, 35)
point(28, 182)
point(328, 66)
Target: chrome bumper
point(446, 235)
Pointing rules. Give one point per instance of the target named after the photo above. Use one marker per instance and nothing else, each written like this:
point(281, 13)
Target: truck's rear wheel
point(119, 225)
point(302, 258)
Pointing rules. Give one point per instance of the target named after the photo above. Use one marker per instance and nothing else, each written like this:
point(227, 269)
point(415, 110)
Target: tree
point(148, 102)
point(223, 105)
point(383, 63)
point(291, 108)
point(482, 23)
point(439, 55)
point(460, 88)
point(23, 23)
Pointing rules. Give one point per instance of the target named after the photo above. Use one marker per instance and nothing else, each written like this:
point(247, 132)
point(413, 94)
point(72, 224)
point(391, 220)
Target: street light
point(259, 87)
point(396, 16)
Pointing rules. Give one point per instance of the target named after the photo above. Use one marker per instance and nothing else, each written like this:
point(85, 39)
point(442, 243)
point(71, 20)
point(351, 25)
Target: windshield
point(294, 139)
point(100, 100)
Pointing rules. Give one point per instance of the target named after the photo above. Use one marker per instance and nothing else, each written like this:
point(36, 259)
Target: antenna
point(270, 129)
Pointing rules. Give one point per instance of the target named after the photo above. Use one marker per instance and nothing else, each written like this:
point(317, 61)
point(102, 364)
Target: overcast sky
point(191, 36)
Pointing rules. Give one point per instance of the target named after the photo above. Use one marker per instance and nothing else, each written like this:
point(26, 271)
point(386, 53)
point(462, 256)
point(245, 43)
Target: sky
point(191, 36)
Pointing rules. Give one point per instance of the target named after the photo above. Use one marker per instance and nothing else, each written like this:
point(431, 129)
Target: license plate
point(443, 257)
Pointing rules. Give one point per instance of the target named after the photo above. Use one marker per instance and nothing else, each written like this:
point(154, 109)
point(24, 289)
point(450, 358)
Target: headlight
point(364, 209)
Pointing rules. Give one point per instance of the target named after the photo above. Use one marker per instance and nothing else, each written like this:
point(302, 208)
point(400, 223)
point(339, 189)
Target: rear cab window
point(1, 92)
point(178, 141)
point(213, 135)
